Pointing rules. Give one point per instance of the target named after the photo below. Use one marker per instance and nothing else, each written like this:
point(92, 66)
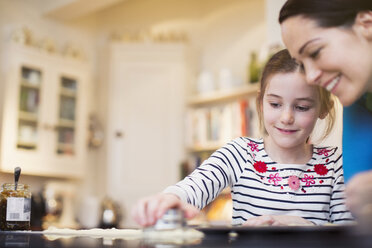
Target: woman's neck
point(299, 154)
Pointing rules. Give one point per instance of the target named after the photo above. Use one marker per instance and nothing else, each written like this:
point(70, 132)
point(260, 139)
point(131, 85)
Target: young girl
point(278, 180)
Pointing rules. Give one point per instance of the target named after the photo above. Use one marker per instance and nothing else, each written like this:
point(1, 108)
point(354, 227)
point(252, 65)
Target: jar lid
point(11, 186)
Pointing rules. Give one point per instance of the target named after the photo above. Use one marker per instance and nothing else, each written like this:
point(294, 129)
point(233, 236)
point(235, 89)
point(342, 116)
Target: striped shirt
point(261, 186)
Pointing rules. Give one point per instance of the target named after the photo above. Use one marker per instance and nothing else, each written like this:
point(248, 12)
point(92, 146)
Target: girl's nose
point(312, 72)
point(287, 116)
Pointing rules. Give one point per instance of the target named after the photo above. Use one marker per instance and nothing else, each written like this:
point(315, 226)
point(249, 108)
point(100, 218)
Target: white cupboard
point(44, 112)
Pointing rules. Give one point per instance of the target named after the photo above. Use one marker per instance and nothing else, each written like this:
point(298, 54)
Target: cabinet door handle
point(55, 128)
point(46, 126)
point(51, 127)
point(119, 134)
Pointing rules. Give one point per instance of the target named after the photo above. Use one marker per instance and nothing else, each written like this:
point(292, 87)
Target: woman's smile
point(332, 84)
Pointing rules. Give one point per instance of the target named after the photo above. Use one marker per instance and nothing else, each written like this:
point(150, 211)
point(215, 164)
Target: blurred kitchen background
point(106, 101)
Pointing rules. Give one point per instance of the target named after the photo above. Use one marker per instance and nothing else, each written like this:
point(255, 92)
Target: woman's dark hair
point(327, 13)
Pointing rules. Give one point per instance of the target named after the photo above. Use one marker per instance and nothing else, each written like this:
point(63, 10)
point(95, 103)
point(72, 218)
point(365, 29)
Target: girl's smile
point(286, 131)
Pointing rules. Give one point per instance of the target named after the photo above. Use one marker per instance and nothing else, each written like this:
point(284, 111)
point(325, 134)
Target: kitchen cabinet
point(44, 112)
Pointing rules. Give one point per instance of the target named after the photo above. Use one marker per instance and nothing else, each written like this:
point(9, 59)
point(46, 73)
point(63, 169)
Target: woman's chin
point(347, 100)
point(351, 96)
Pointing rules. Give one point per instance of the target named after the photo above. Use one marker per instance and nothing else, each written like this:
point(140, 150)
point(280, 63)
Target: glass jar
point(15, 207)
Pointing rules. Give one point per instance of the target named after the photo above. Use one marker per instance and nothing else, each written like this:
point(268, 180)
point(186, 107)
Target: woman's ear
point(363, 23)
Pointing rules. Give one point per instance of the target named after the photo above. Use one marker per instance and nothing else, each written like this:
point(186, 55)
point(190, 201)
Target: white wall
point(273, 28)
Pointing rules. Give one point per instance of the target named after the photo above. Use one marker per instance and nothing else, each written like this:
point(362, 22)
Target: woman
point(332, 41)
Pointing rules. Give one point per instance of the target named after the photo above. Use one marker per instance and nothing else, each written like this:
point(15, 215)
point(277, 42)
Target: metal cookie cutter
point(172, 219)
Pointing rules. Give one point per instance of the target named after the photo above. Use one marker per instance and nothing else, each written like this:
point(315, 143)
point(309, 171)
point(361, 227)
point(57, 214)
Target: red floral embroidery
point(321, 181)
point(273, 168)
point(308, 180)
point(323, 152)
point(260, 167)
point(253, 146)
point(294, 182)
point(320, 169)
point(275, 178)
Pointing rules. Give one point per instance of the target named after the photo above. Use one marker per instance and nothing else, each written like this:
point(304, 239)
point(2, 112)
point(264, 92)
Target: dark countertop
point(214, 237)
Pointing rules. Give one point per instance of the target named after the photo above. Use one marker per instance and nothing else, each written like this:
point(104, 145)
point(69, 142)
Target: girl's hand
point(358, 195)
point(277, 220)
point(148, 210)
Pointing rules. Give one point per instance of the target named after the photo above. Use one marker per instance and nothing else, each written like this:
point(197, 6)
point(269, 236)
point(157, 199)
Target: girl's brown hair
point(282, 62)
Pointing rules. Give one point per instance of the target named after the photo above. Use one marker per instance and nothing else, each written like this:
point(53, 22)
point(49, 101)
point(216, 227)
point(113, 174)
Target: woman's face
point(338, 59)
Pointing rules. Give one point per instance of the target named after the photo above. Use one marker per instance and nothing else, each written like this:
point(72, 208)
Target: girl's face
point(290, 109)
point(338, 59)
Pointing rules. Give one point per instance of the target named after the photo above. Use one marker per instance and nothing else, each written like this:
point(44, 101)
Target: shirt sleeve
point(356, 140)
point(339, 214)
point(216, 173)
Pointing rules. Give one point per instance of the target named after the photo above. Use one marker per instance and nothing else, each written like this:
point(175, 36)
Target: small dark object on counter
point(38, 211)
point(110, 215)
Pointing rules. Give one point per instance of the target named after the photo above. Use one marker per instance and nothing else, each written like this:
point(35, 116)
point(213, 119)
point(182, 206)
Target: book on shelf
point(193, 161)
point(243, 114)
point(218, 124)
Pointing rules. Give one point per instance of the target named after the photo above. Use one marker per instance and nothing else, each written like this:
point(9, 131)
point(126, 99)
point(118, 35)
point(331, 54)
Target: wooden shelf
point(66, 123)
point(224, 95)
point(28, 116)
point(68, 93)
point(65, 146)
point(25, 83)
point(205, 147)
point(26, 145)
point(65, 149)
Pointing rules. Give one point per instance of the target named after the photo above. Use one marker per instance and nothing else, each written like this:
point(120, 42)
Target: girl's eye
point(302, 108)
point(274, 105)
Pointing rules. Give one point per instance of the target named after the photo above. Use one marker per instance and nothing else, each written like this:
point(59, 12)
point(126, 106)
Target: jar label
point(18, 209)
